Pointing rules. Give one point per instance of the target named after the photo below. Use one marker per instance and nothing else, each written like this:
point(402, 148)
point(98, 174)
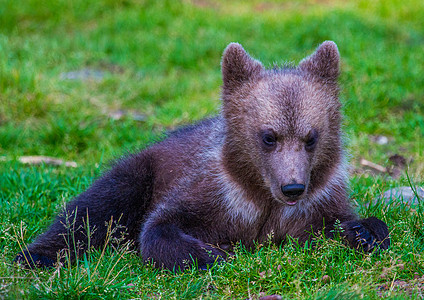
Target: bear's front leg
point(366, 234)
point(167, 246)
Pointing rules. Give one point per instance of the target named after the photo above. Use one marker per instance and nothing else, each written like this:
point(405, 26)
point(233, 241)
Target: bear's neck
point(237, 164)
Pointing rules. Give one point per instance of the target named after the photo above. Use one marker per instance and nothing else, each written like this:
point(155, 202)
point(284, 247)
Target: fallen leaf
point(396, 166)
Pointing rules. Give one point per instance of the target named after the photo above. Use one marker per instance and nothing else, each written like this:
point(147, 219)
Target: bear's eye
point(311, 140)
point(268, 139)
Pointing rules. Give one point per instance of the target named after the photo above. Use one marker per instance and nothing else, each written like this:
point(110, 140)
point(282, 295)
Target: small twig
point(38, 160)
point(374, 166)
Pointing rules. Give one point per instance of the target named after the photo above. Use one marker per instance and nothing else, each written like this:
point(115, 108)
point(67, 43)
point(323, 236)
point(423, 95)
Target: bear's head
point(283, 125)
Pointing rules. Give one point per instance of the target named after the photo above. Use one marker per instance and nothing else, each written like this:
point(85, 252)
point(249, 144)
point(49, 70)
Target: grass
point(160, 60)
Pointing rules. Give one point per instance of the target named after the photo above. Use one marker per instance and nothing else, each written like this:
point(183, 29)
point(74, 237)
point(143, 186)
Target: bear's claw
point(359, 237)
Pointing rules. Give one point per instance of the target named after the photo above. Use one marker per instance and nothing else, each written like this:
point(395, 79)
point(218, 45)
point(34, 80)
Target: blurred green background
point(160, 61)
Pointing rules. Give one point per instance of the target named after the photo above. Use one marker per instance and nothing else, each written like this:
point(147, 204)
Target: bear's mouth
point(291, 202)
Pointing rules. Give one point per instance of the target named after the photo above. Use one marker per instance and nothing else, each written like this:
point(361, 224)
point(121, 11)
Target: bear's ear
point(324, 63)
point(237, 66)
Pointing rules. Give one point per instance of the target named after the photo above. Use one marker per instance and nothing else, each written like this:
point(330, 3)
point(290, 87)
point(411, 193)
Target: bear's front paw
point(358, 236)
point(33, 260)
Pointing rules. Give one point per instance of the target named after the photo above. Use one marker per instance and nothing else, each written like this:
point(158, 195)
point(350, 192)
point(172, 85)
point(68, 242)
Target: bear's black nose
point(293, 190)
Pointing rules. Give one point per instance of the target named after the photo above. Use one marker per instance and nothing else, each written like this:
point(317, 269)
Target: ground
point(87, 81)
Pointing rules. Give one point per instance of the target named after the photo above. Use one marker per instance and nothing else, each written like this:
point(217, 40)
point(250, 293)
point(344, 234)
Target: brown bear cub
point(271, 164)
